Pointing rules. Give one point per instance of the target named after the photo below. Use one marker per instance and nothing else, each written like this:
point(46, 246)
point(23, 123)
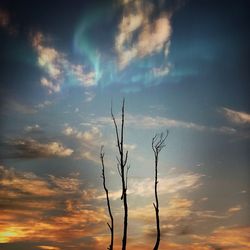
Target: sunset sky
point(180, 65)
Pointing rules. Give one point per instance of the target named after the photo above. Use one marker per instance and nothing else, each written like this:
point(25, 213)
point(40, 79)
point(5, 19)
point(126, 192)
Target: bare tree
point(158, 143)
point(123, 169)
point(111, 226)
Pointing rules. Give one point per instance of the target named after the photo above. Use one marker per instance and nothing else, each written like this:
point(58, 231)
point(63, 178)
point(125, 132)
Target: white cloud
point(89, 96)
point(167, 185)
point(56, 66)
point(52, 87)
point(90, 142)
point(138, 36)
point(44, 104)
point(156, 122)
point(33, 128)
point(150, 122)
point(161, 71)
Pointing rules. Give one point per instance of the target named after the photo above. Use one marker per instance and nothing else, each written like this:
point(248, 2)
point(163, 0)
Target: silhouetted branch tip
point(158, 143)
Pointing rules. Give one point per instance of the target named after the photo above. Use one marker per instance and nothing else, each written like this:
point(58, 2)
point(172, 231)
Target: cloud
point(52, 87)
point(45, 209)
point(177, 209)
point(33, 129)
point(66, 184)
point(139, 34)
point(48, 247)
point(89, 96)
point(155, 122)
point(30, 148)
point(161, 71)
point(237, 117)
point(44, 104)
point(58, 69)
point(167, 185)
point(89, 136)
point(10, 105)
point(24, 183)
point(90, 142)
point(235, 209)
point(230, 238)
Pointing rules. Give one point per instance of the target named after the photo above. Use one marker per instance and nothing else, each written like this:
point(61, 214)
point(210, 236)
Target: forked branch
point(158, 143)
point(123, 169)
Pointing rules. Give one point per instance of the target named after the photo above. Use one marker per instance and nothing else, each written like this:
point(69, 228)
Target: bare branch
point(122, 161)
point(116, 130)
point(158, 143)
point(118, 160)
point(111, 227)
point(126, 159)
point(119, 171)
point(126, 183)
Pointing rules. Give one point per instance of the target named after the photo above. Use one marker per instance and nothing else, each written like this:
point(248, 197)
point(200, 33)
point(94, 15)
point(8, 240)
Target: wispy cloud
point(237, 117)
point(230, 238)
point(30, 148)
point(235, 209)
point(33, 128)
point(156, 122)
point(90, 142)
point(48, 247)
point(167, 185)
point(89, 96)
point(44, 104)
point(58, 68)
point(141, 35)
point(11, 105)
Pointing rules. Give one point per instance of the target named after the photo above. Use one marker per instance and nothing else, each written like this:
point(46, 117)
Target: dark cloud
point(30, 149)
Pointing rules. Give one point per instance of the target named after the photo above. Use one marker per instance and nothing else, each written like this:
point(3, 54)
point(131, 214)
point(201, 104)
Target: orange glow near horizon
point(10, 234)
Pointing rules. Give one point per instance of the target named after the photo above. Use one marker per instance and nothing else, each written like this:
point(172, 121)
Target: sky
point(182, 66)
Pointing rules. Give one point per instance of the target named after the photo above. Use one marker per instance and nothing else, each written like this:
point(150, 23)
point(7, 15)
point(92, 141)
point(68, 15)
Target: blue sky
point(180, 65)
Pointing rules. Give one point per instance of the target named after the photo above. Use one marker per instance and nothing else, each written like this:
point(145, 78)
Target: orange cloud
point(231, 238)
point(49, 247)
point(41, 209)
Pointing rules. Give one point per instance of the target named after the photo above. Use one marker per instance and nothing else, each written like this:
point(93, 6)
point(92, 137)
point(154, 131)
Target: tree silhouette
point(111, 226)
point(158, 143)
point(123, 169)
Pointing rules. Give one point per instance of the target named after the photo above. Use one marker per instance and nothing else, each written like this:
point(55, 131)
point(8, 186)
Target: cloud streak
point(30, 148)
point(236, 117)
point(156, 122)
point(168, 185)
